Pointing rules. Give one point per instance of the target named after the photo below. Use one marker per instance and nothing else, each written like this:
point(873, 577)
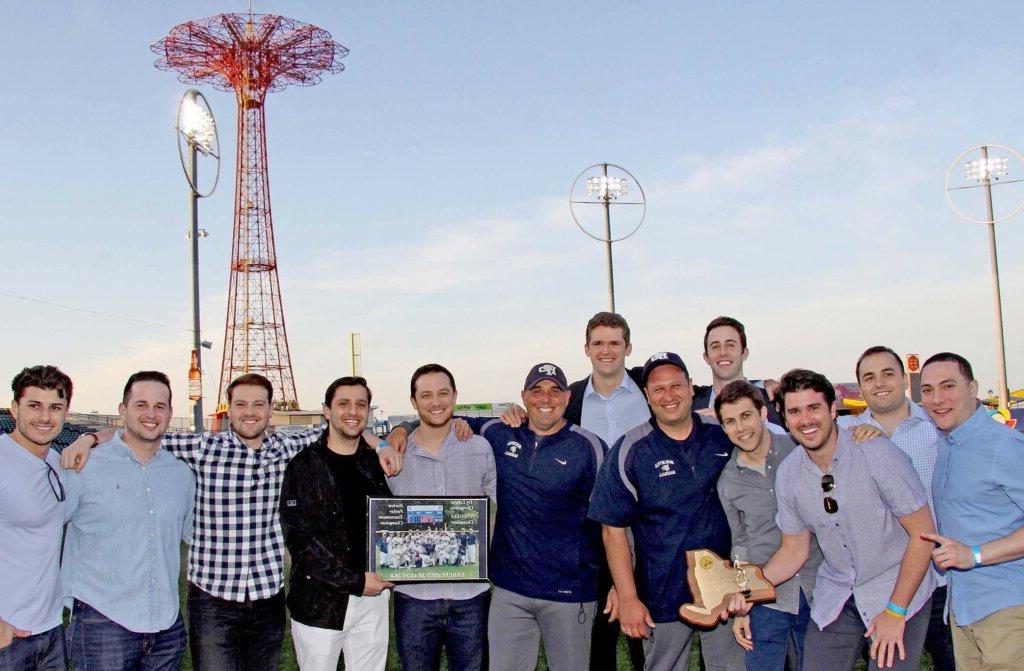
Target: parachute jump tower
point(252, 54)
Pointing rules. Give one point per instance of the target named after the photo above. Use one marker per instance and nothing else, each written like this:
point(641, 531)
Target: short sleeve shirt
point(664, 489)
point(31, 519)
point(863, 542)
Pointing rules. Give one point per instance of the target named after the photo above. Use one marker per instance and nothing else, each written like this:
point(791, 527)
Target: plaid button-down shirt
point(237, 550)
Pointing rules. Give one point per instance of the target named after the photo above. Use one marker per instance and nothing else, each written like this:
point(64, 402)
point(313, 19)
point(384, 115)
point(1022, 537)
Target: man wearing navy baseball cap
point(545, 551)
point(659, 479)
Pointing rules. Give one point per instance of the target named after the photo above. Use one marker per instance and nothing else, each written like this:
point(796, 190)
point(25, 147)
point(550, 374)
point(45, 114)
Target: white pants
point(364, 640)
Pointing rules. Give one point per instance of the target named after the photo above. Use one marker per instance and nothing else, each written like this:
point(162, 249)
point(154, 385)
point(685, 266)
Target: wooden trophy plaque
point(713, 580)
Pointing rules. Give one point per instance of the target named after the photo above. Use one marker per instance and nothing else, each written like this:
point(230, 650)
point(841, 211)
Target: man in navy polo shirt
point(659, 479)
point(544, 551)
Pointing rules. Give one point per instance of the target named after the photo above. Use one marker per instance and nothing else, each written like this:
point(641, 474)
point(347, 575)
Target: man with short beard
point(127, 516)
point(432, 616)
point(31, 517)
point(236, 605)
point(883, 386)
point(867, 508)
point(337, 605)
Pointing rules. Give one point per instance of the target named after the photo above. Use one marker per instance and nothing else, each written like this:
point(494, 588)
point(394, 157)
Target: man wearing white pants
point(337, 606)
point(363, 639)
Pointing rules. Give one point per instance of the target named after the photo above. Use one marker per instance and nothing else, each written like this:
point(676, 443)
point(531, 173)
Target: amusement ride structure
point(252, 54)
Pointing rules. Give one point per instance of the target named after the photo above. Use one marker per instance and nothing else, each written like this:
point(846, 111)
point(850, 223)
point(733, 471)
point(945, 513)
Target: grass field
point(288, 653)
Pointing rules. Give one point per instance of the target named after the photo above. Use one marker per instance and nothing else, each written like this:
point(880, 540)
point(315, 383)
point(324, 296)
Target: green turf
point(288, 653)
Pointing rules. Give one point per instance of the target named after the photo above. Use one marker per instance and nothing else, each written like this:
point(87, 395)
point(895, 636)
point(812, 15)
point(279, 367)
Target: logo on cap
point(546, 369)
point(660, 356)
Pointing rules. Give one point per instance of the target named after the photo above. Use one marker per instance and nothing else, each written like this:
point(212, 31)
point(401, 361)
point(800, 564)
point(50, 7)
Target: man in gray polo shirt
point(867, 508)
point(747, 490)
point(429, 616)
point(31, 517)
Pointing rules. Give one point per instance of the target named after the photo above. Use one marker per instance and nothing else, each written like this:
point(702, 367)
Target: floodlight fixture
point(986, 172)
point(197, 134)
point(605, 190)
point(986, 168)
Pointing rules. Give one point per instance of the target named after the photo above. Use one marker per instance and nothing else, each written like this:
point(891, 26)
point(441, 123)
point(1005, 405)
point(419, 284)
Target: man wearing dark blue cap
point(544, 551)
point(659, 479)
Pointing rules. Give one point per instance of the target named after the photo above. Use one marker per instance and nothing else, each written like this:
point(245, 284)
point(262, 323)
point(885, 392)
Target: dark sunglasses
point(828, 483)
point(58, 488)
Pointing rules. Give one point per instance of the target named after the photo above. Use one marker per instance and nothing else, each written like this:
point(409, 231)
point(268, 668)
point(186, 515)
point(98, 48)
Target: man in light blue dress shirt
point(127, 514)
point(979, 503)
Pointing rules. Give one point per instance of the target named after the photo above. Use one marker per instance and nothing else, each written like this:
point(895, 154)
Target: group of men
point(894, 531)
point(407, 549)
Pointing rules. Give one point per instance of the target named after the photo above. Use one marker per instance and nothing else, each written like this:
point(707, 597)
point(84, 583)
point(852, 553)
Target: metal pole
point(193, 234)
point(608, 241)
point(1004, 392)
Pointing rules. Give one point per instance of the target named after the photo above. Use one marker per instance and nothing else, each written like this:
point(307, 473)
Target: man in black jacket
point(336, 604)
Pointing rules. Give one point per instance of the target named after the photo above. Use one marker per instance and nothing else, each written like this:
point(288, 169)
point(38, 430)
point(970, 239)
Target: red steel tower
point(252, 54)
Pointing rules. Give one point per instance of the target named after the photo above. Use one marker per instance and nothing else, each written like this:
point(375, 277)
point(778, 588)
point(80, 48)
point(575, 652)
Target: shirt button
point(150, 512)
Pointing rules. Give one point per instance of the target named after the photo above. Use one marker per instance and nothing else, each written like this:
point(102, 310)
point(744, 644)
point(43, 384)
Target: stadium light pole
point(605, 191)
point(198, 130)
point(984, 172)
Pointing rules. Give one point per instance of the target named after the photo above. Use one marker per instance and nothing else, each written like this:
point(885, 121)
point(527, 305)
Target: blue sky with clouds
point(792, 154)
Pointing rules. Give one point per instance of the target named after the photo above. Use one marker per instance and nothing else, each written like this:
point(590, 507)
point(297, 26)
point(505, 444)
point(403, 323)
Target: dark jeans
point(837, 646)
point(97, 643)
point(773, 630)
point(235, 635)
point(604, 641)
point(938, 642)
point(422, 627)
point(39, 652)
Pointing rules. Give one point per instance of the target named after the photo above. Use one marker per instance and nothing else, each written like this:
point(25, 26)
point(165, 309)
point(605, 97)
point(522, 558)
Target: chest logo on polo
point(665, 467)
point(512, 449)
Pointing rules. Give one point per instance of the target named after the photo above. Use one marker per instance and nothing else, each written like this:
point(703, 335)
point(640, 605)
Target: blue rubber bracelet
point(896, 609)
point(976, 551)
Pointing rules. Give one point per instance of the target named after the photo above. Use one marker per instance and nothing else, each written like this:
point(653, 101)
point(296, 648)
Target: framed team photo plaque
point(428, 539)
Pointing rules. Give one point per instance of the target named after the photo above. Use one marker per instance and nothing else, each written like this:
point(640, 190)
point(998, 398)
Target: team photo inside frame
point(428, 539)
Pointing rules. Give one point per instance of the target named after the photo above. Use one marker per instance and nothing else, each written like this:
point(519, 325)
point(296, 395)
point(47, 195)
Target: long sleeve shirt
point(126, 522)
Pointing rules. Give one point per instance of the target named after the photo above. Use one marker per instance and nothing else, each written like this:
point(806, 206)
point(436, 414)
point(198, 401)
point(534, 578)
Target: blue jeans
point(97, 643)
point(39, 652)
point(422, 627)
point(235, 635)
point(772, 631)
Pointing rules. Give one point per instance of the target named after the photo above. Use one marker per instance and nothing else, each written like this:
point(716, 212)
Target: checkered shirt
point(237, 551)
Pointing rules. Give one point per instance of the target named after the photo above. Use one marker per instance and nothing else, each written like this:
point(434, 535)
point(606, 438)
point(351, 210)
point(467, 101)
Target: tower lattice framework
point(252, 54)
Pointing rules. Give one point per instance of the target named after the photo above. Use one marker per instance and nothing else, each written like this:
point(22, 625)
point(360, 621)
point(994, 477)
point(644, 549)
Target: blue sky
point(793, 156)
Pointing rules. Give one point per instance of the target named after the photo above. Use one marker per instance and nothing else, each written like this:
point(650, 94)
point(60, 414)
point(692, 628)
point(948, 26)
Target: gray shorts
point(668, 649)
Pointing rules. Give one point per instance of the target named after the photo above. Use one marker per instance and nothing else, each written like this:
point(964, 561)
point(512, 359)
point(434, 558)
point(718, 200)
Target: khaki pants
point(993, 643)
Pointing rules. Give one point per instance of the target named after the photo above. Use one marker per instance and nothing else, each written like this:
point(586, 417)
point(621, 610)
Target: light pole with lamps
point(197, 134)
point(605, 190)
point(984, 172)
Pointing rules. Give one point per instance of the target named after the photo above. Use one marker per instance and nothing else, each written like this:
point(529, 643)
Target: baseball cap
point(660, 359)
point(546, 371)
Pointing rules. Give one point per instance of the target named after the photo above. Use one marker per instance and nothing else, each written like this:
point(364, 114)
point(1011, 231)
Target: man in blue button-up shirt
point(127, 515)
point(979, 503)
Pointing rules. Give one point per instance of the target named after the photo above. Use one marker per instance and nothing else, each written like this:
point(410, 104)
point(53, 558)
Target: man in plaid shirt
point(236, 605)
